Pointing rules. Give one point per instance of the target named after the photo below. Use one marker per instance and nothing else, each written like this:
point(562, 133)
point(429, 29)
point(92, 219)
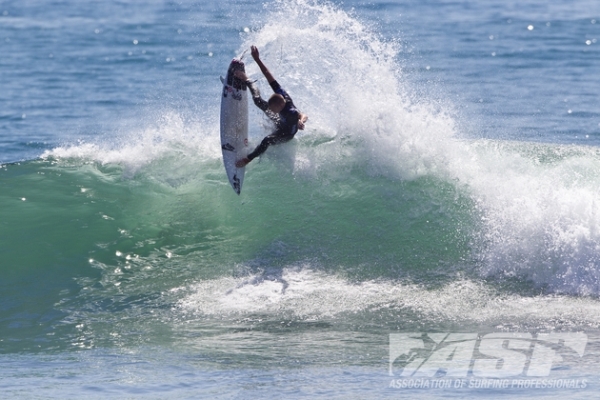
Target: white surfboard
point(234, 124)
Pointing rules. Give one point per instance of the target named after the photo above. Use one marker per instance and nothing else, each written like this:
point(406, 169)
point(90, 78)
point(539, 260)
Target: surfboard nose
point(237, 64)
point(232, 80)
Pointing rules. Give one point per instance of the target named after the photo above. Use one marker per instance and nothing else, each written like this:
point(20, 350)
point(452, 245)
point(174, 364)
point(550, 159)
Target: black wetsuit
point(286, 121)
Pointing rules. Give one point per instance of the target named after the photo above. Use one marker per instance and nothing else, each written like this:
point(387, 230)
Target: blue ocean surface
point(434, 232)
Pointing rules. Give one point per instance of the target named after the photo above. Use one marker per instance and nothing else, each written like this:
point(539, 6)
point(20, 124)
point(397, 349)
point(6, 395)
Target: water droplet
point(588, 42)
point(493, 54)
point(210, 53)
point(135, 41)
point(570, 111)
point(491, 37)
point(246, 29)
point(530, 27)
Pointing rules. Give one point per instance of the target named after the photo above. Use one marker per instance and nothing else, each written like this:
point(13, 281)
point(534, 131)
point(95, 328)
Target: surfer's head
point(276, 103)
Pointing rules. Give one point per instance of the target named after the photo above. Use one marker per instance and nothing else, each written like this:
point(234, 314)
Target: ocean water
point(447, 185)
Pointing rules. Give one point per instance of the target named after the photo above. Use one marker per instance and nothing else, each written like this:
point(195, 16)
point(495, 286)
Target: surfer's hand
point(254, 52)
point(302, 118)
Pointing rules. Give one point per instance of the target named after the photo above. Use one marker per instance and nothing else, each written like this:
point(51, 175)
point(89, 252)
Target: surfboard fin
point(222, 79)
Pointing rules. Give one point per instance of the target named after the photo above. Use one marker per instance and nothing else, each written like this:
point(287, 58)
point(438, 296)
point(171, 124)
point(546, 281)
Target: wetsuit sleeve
point(259, 101)
point(275, 86)
point(279, 90)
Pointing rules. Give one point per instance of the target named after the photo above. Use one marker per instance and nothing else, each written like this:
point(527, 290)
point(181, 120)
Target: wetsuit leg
point(274, 138)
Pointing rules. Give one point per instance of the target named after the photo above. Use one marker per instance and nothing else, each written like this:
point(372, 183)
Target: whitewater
point(447, 182)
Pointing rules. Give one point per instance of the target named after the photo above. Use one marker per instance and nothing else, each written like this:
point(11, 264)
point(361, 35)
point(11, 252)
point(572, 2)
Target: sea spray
point(537, 203)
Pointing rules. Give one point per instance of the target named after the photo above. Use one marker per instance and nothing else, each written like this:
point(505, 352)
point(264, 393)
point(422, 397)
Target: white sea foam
point(540, 215)
point(304, 293)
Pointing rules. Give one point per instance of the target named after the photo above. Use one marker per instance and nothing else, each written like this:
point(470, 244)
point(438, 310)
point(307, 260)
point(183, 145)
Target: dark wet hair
point(276, 99)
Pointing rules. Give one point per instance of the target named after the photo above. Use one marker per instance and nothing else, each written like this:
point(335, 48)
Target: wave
point(381, 204)
point(529, 210)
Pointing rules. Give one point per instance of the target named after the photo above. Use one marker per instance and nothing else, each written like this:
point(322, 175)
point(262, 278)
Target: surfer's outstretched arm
point(259, 101)
point(261, 65)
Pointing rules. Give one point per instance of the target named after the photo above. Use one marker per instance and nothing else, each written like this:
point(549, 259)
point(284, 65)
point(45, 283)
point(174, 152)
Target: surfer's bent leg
point(274, 138)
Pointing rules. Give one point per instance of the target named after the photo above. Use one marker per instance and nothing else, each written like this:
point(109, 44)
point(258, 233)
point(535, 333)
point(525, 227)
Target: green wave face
point(76, 234)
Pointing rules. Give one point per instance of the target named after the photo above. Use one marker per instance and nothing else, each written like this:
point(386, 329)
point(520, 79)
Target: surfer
point(279, 108)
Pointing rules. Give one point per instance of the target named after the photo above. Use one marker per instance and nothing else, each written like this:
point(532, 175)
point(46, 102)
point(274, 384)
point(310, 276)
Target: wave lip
point(172, 135)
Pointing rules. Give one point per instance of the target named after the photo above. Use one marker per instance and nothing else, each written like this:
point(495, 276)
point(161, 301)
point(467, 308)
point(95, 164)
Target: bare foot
point(242, 162)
